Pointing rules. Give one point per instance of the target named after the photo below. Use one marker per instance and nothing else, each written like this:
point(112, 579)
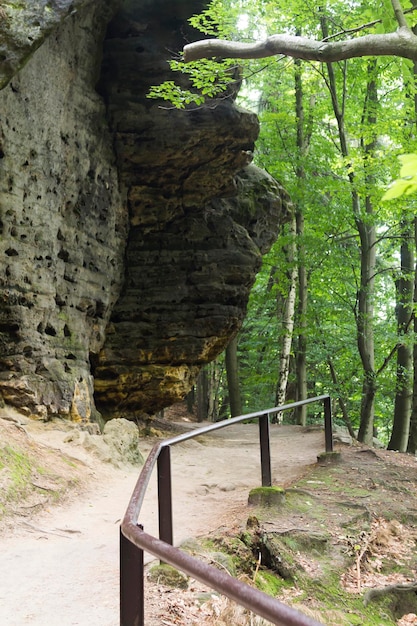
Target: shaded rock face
point(63, 224)
point(131, 234)
point(193, 250)
point(185, 296)
point(25, 25)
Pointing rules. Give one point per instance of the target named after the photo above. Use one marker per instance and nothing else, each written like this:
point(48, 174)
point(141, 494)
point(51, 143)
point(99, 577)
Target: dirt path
point(61, 567)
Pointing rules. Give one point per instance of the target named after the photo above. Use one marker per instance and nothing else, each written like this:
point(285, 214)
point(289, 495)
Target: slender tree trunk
point(208, 393)
point(213, 395)
point(232, 373)
point(365, 334)
point(202, 395)
point(342, 404)
point(412, 442)
point(367, 236)
point(301, 354)
point(190, 400)
point(404, 309)
point(288, 319)
point(303, 139)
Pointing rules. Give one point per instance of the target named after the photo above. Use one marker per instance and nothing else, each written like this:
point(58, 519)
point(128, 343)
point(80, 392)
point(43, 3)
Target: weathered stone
point(167, 575)
point(24, 26)
point(198, 223)
point(131, 234)
point(341, 435)
point(267, 496)
point(123, 436)
point(63, 224)
point(329, 458)
point(118, 445)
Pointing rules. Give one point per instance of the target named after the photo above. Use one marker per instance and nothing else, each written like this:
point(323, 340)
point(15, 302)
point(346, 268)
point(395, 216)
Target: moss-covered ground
point(31, 476)
point(340, 547)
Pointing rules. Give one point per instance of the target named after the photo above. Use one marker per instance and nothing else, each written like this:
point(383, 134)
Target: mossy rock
point(329, 458)
point(305, 541)
point(269, 583)
point(222, 561)
point(166, 575)
point(277, 557)
point(267, 496)
point(402, 598)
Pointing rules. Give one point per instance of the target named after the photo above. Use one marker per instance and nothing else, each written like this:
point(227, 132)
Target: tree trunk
point(412, 442)
point(404, 310)
point(202, 395)
point(364, 316)
point(288, 319)
point(213, 395)
point(232, 373)
point(300, 413)
point(367, 234)
point(190, 400)
point(342, 404)
point(364, 325)
point(303, 139)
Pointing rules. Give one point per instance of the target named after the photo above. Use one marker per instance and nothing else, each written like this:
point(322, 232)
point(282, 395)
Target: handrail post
point(133, 542)
point(328, 429)
point(265, 450)
point(132, 592)
point(165, 496)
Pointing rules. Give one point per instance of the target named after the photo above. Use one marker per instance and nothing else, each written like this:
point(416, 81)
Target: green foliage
point(406, 184)
point(200, 81)
point(320, 176)
point(177, 97)
point(317, 176)
point(218, 20)
point(207, 79)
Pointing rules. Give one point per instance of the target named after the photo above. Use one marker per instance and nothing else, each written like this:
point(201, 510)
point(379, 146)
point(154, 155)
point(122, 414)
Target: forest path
point(61, 566)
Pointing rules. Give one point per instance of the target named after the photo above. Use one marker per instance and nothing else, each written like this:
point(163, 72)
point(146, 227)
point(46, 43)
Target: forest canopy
point(333, 309)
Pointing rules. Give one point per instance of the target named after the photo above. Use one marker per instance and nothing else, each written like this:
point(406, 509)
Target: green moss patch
point(166, 575)
point(267, 496)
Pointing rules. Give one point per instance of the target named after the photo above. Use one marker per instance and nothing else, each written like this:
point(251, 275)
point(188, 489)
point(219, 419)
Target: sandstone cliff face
point(131, 235)
point(63, 223)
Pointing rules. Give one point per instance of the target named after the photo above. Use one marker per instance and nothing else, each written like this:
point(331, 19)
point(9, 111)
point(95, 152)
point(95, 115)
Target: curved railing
point(134, 540)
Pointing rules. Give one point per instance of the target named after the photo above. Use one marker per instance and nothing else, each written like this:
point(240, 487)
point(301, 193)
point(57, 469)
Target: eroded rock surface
point(198, 222)
point(63, 223)
point(25, 25)
point(131, 234)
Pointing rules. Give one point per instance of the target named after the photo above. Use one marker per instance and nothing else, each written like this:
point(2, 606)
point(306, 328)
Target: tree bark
point(232, 373)
point(300, 413)
point(367, 236)
point(404, 309)
point(202, 396)
point(342, 404)
point(401, 43)
point(412, 442)
point(288, 319)
point(301, 355)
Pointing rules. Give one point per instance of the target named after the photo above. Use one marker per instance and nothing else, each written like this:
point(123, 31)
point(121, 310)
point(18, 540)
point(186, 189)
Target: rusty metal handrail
point(134, 540)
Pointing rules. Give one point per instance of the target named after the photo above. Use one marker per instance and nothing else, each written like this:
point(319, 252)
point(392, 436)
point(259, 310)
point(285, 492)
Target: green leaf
point(397, 189)
point(409, 165)
point(407, 183)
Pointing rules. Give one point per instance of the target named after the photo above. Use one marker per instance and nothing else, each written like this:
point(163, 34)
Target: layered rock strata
point(131, 234)
point(63, 223)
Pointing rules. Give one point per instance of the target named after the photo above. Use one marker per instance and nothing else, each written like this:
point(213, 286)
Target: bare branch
point(402, 43)
point(399, 14)
point(357, 29)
